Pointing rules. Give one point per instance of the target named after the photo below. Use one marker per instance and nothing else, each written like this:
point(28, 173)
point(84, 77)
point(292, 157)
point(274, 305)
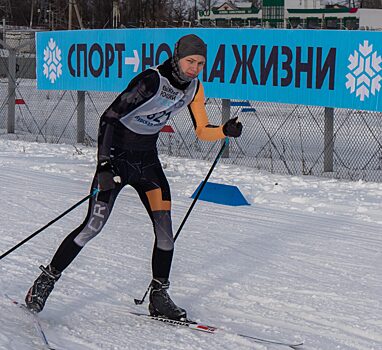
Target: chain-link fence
point(290, 139)
point(279, 138)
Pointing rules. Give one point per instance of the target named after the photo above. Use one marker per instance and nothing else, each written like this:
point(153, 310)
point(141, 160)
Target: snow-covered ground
point(302, 262)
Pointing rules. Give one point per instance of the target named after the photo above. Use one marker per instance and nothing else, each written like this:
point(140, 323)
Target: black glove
point(107, 178)
point(232, 128)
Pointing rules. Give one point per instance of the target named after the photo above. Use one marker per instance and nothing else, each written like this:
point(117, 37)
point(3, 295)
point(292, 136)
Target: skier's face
point(192, 65)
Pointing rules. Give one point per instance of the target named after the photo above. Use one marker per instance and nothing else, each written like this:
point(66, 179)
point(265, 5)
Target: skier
point(127, 155)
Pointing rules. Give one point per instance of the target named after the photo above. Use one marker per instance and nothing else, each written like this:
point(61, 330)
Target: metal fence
point(279, 138)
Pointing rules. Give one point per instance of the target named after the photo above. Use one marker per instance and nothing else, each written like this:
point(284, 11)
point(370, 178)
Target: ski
point(213, 330)
point(37, 325)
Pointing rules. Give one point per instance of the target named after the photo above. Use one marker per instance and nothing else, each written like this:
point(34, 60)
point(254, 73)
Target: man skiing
point(127, 155)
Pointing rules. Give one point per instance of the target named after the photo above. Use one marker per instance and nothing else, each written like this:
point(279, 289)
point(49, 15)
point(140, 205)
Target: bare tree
point(207, 4)
point(132, 13)
point(98, 13)
point(155, 11)
point(180, 12)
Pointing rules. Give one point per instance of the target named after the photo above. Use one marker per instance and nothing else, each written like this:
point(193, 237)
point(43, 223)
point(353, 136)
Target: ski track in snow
point(304, 260)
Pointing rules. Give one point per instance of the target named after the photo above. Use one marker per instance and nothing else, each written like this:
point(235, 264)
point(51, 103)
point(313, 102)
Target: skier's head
point(189, 57)
point(189, 45)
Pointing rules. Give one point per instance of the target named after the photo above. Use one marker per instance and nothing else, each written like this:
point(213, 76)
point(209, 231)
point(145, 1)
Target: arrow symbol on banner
point(133, 60)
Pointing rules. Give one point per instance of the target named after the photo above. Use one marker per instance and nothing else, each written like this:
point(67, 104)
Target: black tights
point(143, 171)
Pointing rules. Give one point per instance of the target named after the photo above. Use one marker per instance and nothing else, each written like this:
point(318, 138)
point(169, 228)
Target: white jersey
point(151, 116)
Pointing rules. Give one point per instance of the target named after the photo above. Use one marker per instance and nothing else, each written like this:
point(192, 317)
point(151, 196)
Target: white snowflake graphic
point(52, 58)
point(364, 69)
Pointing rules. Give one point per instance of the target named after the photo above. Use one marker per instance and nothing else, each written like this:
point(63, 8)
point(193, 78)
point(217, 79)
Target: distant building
point(307, 14)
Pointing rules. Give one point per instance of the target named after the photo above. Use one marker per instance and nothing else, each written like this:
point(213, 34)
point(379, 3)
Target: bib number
point(158, 117)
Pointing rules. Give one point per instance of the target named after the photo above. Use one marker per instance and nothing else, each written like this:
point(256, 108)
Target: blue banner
point(333, 68)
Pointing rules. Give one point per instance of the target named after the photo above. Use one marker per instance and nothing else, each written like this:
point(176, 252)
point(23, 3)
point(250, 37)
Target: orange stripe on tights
point(156, 202)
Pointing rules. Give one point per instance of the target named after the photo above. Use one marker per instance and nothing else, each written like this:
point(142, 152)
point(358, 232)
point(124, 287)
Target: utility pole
point(3, 29)
point(73, 3)
point(70, 19)
point(80, 94)
point(31, 19)
point(116, 14)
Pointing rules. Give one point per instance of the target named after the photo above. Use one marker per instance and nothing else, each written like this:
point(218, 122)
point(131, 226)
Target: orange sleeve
point(203, 129)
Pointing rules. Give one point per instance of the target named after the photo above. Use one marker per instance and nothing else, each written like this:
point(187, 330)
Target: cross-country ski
point(201, 327)
point(34, 321)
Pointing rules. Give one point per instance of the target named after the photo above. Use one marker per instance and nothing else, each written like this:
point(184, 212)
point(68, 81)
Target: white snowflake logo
point(364, 69)
point(52, 58)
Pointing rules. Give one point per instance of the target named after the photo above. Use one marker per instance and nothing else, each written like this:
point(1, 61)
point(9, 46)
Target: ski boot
point(42, 287)
point(161, 303)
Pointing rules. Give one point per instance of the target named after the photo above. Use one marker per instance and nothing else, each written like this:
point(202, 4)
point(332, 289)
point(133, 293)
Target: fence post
point(11, 90)
point(226, 114)
point(328, 140)
point(80, 116)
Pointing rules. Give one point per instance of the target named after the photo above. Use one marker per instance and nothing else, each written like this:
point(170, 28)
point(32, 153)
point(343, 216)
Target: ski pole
point(226, 141)
point(94, 192)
